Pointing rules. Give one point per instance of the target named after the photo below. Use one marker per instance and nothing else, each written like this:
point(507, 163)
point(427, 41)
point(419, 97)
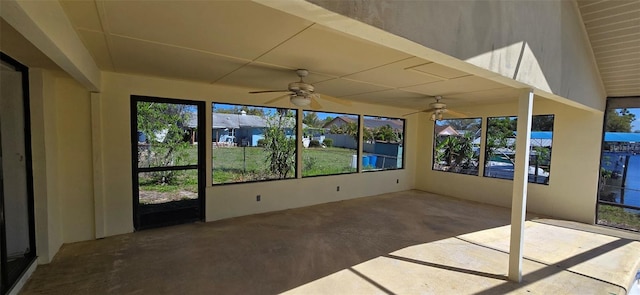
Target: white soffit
point(614, 31)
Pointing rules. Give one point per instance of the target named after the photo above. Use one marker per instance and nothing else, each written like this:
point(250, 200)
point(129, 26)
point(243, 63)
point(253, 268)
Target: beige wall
point(75, 178)
point(571, 193)
point(539, 43)
point(44, 142)
point(62, 175)
point(236, 199)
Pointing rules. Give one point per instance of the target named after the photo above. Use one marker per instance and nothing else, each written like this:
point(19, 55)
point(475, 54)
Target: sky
point(636, 124)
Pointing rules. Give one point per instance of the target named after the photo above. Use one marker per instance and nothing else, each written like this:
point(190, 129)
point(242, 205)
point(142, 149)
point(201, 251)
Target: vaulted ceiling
point(613, 27)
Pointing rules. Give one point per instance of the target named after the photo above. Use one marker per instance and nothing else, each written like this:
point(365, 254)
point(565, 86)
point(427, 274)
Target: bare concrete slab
point(401, 243)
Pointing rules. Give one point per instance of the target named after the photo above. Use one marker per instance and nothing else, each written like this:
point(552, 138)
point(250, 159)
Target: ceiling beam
point(45, 24)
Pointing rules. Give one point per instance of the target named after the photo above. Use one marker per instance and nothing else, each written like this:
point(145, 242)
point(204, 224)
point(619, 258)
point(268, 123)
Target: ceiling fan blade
point(276, 99)
point(456, 114)
point(267, 91)
point(414, 113)
point(314, 103)
point(336, 100)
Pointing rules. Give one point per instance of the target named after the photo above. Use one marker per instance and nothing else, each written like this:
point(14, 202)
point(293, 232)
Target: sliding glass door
point(17, 241)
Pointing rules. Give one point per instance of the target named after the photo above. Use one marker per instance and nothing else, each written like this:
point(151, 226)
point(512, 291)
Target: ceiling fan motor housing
point(438, 105)
point(301, 87)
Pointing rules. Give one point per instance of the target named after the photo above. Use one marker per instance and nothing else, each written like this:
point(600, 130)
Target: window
point(383, 143)
point(457, 145)
point(500, 148)
point(619, 189)
point(330, 143)
point(253, 143)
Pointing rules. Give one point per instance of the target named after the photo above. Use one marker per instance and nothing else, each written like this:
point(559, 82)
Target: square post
point(520, 182)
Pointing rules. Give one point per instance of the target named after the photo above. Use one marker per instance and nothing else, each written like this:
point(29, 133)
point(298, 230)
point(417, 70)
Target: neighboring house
point(445, 130)
point(243, 129)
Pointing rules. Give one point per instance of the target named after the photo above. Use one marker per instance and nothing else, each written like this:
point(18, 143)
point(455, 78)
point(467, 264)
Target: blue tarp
point(621, 137)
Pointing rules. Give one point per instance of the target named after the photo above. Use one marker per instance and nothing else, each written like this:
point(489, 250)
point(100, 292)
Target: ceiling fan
point(438, 109)
point(301, 93)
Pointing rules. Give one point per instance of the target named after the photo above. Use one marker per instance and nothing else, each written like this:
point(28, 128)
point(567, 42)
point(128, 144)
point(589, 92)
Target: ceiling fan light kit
point(300, 100)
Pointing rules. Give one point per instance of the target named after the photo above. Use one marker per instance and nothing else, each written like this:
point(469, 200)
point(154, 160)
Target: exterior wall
point(573, 185)
point(540, 43)
point(225, 201)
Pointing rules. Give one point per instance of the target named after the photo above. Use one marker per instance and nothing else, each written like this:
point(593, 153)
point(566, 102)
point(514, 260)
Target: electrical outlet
point(338, 189)
point(258, 198)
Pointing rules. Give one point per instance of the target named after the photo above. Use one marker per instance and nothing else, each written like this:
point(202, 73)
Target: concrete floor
point(401, 243)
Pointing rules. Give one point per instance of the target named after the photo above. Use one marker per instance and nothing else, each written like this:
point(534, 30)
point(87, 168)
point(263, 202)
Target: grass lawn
point(327, 161)
point(240, 164)
point(618, 217)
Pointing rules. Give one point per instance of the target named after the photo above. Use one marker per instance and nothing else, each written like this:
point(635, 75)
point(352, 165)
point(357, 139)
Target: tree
point(163, 125)
point(256, 111)
point(456, 151)
point(499, 130)
point(385, 133)
point(542, 123)
point(280, 148)
point(351, 129)
point(619, 120)
point(311, 119)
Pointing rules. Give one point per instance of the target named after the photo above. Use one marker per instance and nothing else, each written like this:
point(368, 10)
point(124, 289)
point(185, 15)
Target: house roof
point(235, 121)
point(445, 130)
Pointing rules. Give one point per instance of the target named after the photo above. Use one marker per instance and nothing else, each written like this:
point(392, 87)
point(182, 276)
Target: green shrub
point(262, 143)
point(314, 143)
point(328, 142)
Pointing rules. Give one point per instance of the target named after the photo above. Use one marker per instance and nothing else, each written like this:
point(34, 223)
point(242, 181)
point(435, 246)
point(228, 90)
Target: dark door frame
point(200, 105)
point(8, 282)
point(615, 103)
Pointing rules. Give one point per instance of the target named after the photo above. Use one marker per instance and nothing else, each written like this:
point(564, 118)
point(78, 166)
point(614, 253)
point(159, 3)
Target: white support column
point(520, 181)
point(360, 141)
point(299, 144)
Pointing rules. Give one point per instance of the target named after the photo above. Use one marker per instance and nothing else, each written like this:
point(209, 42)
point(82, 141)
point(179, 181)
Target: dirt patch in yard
point(155, 197)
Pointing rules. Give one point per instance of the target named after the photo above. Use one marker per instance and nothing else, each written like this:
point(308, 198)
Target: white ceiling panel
point(134, 56)
point(260, 76)
point(438, 70)
point(455, 86)
point(395, 75)
point(322, 50)
point(342, 87)
point(235, 28)
point(395, 98)
point(83, 14)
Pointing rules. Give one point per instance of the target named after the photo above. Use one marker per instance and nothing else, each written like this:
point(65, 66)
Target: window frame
point(359, 162)
point(484, 170)
point(212, 103)
point(404, 150)
point(433, 147)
